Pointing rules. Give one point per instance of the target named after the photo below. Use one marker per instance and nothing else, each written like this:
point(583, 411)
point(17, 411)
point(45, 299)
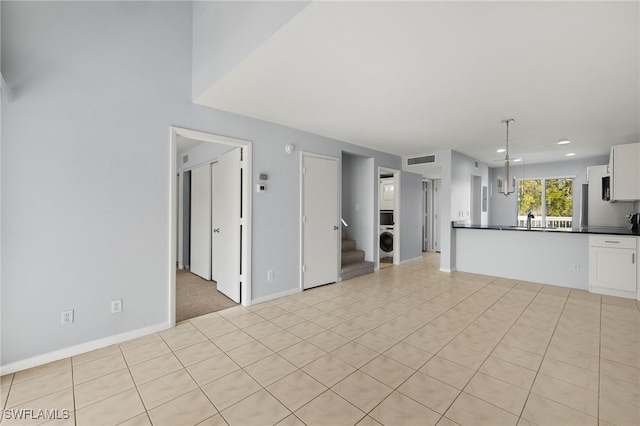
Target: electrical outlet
point(270, 275)
point(67, 317)
point(576, 266)
point(116, 306)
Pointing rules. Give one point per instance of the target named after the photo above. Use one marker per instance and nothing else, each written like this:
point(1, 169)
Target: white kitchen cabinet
point(624, 163)
point(613, 265)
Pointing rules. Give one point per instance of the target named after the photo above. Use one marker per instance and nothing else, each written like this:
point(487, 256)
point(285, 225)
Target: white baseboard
point(81, 348)
point(275, 296)
point(410, 260)
point(448, 270)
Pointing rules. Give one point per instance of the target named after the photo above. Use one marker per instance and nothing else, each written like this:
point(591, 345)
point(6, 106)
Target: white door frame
point(247, 197)
point(396, 215)
point(435, 241)
point(304, 154)
point(427, 215)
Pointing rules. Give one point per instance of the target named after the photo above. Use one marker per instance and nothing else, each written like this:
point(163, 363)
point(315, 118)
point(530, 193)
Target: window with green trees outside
point(549, 199)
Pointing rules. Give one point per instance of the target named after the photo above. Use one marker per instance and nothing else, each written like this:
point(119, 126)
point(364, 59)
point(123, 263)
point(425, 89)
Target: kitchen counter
point(541, 255)
point(610, 230)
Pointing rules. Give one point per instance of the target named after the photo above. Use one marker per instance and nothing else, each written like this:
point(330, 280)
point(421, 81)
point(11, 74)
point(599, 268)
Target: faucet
point(529, 217)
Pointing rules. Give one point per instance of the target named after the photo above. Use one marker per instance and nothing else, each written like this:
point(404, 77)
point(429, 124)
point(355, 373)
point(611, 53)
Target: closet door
point(320, 220)
point(227, 227)
point(200, 246)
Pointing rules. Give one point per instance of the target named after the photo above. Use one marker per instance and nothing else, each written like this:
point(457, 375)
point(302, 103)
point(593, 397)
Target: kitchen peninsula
point(542, 255)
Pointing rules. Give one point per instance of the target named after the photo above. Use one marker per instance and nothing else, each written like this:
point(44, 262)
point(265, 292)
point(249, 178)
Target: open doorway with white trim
point(210, 155)
point(388, 217)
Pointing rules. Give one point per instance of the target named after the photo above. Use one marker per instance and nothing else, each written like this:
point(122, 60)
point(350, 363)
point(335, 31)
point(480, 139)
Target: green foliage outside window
point(530, 197)
point(559, 193)
point(558, 197)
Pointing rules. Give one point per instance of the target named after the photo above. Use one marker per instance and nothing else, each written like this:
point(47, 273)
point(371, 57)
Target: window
point(550, 200)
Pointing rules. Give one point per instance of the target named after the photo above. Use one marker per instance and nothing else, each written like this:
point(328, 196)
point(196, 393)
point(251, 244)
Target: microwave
point(386, 217)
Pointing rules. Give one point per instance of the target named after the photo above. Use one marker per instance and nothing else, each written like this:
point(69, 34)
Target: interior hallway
point(404, 346)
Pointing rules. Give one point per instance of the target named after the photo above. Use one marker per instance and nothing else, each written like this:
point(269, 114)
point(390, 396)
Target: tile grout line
point(543, 357)
point(489, 355)
point(599, 358)
point(135, 384)
point(433, 355)
point(184, 367)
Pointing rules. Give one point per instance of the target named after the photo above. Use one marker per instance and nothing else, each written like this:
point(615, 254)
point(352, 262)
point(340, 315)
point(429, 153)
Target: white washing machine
point(386, 244)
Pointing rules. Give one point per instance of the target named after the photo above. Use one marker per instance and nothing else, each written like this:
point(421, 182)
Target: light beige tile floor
point(408, 345)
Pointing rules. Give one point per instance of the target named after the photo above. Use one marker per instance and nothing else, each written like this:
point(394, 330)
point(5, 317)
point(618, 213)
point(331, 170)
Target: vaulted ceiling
point(414, 77)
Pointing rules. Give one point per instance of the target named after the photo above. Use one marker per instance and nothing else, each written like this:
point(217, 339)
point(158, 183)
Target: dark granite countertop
point(611, 230)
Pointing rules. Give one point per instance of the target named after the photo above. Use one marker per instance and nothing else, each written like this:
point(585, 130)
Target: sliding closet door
point(200, 247)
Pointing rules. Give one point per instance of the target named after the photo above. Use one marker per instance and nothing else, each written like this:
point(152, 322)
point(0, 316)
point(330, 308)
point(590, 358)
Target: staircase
point(353, 263)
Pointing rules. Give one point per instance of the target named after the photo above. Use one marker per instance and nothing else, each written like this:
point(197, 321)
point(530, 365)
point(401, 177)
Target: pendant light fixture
point(507, 185)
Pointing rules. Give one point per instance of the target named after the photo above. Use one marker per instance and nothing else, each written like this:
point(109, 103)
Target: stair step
point(356, 270)
point(352, 256)
point(348, 245)
point(344, 234)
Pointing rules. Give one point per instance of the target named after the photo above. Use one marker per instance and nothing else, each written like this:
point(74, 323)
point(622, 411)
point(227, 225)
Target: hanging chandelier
point(507, 185)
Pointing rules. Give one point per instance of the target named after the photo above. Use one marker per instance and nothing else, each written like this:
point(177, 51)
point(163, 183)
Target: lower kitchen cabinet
point(613, 268)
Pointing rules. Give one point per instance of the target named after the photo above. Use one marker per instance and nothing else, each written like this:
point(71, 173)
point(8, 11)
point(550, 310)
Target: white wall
point(525, 255)
point(504, 210)
point(358, 210)
point(462, 169)
point(455, 171)
point(95, 83)
point(410, 216)
point(81, 226)
point(225, 32)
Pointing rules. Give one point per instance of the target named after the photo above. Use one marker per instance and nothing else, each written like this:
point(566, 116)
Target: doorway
point(242, 272)
point(319, 220)
point(437, 186)
point(427, 216)
point(388, 217)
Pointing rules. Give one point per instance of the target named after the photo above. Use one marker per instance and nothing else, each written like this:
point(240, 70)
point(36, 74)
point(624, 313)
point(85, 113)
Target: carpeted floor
point(196, 296)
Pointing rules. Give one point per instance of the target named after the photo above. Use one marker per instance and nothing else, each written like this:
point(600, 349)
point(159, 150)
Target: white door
point(200, 247)
point(437, 185)
point(320, 220)
point(426, 216)
point(227, 230)
point(214, 270)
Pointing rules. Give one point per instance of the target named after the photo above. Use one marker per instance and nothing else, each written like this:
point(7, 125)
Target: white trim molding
point(81, 348)
point(276, 296)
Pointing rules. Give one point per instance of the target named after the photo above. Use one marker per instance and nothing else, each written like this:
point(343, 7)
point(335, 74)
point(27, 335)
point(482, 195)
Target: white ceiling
point(413, 77)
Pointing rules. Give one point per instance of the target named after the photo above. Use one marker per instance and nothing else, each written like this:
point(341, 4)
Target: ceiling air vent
point(421, 160)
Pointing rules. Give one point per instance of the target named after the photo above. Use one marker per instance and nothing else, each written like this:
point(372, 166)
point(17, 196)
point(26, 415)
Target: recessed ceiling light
point(517, 160)
point(563, 141)
point(500, 150)
point(571, 154)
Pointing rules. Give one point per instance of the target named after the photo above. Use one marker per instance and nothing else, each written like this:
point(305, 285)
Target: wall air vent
point(421, 160)
point(185, 159)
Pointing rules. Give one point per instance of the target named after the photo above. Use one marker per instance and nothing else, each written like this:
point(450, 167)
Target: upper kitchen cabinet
point(624, 165)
